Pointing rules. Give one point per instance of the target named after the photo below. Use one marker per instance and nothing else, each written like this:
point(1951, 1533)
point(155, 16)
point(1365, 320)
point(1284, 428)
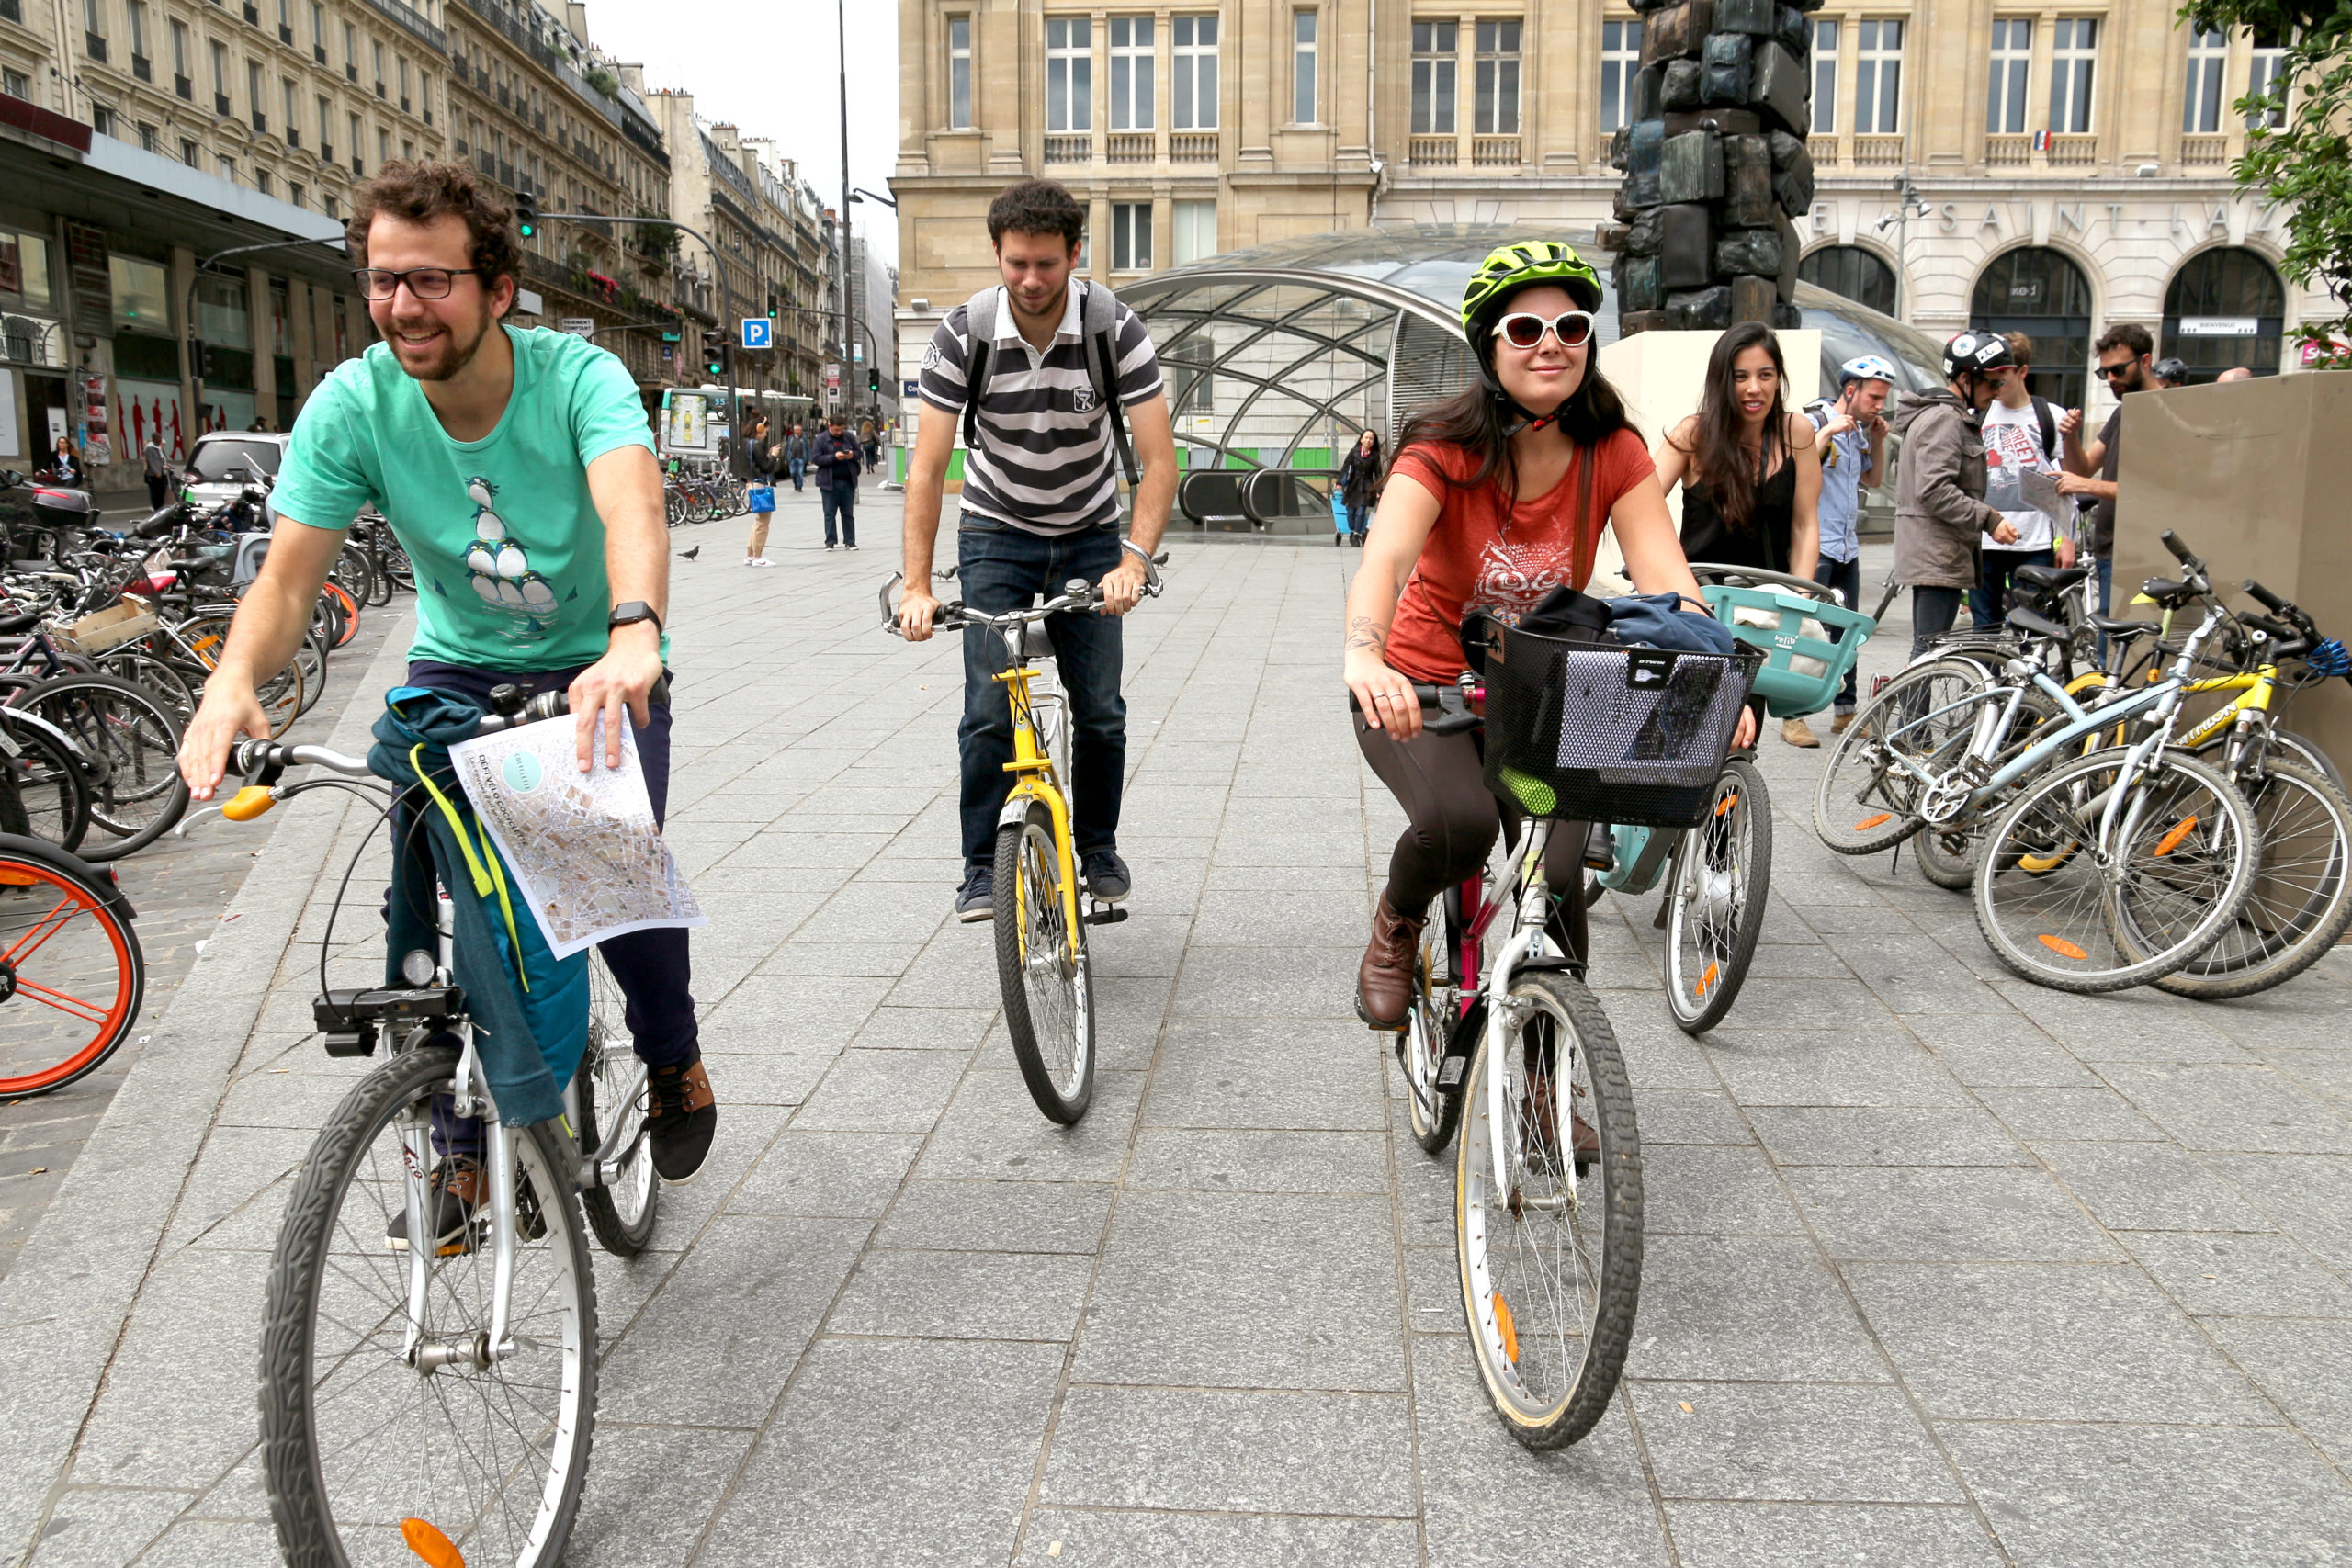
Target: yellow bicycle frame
point(2255, 688)
point(1034, 779)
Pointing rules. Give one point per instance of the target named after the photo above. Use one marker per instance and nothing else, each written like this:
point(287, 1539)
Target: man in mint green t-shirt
point(517, 471)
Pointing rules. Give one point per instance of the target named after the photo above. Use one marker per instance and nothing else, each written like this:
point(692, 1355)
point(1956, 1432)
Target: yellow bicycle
point(1041, 960)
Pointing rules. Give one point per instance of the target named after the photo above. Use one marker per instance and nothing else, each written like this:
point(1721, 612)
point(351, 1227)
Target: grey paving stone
point(763, 1078)
point(858, 1446)
point(2090, 1114)
point(1749, 1307)
point(1699, 1189)
point(192, 1303)
point(1062, 1537)
point(1240, 1451)
point(822, 1173)
point(210, 1543)
point(2230, 1275)
point(999, 1216)
point(782, 1013)
point(1690, 1117)
point(105, 1526)
point(963, 1295)
point(992, 1131)
point(925, 1028)
point(1874, 1136)
point(2011, 1213)
point(2187, 1496)
point(651, 1491)
point(882, 1092)
point(1734, 1535)
point(2149, 1187)
point(1264, 981)
point(1794, 1442)
point(1241, 1073)
point(2251, 1107)
point(1244, 919)
point(2302, 1364)
point(2025, 1342)
point(2310, 1197)
point(1253, 1161)
point(2001, 1049)
point(1242, 1290)
point(683, 1362)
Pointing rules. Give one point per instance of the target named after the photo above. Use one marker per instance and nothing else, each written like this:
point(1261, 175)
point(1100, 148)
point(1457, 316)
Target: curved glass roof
point(1279, 355)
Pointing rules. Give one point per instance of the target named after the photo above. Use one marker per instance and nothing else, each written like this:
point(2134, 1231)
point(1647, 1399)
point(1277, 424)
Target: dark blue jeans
point(1002, 568)
point(1988, 602)
point(1933, 610)
point(1846, 577)
point(651, 966)
point(841, 498)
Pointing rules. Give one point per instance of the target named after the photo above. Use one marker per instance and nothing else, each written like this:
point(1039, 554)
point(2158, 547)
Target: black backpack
point(1098, 329)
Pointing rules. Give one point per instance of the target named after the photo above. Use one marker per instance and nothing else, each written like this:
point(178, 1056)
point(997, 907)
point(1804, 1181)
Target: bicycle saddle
point(2120, 629)
point(2050, 575)
point(2025, 620)
point(2165, 592)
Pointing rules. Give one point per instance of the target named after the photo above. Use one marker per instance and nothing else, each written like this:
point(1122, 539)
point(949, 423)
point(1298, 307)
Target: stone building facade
point(2043, 165)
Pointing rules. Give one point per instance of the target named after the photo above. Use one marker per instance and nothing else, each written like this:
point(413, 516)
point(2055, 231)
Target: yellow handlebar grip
point(249, 803)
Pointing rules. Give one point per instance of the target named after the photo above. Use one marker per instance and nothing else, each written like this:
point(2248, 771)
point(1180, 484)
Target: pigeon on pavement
point(689, 555)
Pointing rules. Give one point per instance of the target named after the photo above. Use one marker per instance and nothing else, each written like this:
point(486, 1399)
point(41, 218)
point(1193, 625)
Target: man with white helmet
point(1853, 455)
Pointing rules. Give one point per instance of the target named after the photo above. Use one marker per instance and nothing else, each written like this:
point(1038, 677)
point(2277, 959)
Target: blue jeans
point(841, 499)
point(2106, 565)
point(1002, 569)
point(1988, 601)
point(799, 467)
point(1933, 610)
point(1846, 577)
point(1359, 520)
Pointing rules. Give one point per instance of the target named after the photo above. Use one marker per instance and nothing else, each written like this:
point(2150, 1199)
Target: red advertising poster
point(97, 443)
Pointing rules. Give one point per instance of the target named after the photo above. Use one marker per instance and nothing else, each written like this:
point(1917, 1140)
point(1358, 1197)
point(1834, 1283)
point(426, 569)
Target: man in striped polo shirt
point(1040, 505)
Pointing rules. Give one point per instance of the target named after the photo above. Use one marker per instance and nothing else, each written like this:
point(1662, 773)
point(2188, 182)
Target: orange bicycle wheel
point(347, 610)
point(72, 975)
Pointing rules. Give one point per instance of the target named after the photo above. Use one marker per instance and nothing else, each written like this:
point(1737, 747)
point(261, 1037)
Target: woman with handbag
point(1359, 485)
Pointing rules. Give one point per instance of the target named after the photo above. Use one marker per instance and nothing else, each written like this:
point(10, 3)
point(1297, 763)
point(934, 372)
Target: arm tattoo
point(1365, 632)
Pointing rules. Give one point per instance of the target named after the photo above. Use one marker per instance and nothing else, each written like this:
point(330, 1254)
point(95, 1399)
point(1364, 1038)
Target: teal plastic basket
point(1788, 691)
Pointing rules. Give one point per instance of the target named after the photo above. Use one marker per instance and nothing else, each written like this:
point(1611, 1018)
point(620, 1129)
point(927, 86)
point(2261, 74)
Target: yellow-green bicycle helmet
point(1510, 268)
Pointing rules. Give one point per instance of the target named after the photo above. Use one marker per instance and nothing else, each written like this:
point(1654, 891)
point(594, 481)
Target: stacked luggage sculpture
point(1715, 166)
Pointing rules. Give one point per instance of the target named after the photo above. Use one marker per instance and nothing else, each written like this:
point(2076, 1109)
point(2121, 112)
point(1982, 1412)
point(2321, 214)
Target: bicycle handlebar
point(2181, 552)
point(262, 762)
point(1077, 594)
point(1709, 570)
point(1452, 708)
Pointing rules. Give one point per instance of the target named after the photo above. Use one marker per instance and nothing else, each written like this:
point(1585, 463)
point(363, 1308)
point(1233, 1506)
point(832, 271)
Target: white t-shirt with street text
point(2012, 448)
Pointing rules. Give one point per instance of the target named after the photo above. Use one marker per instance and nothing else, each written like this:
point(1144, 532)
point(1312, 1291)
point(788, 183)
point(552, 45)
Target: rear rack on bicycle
point(352, 1021)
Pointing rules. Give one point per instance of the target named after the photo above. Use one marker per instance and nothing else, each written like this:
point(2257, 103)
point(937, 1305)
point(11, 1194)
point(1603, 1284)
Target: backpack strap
point(2047, 417)
point(1099, 326)
point(980, 336)
point(1587, 548)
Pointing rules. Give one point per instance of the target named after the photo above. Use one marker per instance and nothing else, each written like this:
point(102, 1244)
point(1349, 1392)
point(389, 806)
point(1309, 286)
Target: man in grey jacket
point(1941, 518)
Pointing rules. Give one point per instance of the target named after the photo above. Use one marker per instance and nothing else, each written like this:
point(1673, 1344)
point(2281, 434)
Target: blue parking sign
point(755, 331)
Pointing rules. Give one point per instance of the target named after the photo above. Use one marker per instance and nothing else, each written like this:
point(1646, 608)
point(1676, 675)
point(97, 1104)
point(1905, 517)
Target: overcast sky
point(771, 69)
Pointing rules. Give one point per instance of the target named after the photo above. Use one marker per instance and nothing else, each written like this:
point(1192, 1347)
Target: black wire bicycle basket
point(1597, 733)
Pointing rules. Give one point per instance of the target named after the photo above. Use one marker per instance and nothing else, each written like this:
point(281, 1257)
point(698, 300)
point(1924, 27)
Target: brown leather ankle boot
point(1384, 978)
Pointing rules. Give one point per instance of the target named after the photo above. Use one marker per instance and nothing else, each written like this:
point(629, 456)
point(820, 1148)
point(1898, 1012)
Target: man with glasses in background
point(2124, 355)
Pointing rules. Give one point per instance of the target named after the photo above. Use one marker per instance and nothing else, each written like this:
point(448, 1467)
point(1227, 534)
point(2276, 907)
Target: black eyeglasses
point(424, 282)
point(1523, 328)
point(2112, 371)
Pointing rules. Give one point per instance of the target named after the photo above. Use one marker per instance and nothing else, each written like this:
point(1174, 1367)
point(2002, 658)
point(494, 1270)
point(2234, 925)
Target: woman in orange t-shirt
point(1481, 512)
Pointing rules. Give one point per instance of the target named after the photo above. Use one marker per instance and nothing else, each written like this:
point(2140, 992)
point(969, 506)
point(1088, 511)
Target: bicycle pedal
point(1104, 915)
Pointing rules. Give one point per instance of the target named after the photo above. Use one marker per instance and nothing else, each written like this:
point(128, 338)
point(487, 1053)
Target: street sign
point(832, 384)
point(757, 331)
point(906, 388)
point(2220, 326)
point(578, 326)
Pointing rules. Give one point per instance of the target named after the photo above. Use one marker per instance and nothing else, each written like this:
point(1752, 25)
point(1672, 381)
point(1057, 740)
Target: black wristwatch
point(628, 615)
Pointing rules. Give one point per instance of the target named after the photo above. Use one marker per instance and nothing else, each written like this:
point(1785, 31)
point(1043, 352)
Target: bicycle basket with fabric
point(1626, 734)
point(1802, 667)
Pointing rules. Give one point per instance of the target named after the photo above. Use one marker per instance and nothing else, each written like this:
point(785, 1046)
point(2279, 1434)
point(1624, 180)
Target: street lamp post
point(726, 297)
point(841, 26)
point(187, 313)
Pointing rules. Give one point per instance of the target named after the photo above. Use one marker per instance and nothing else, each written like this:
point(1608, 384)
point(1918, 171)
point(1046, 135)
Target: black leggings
point(1441, 782)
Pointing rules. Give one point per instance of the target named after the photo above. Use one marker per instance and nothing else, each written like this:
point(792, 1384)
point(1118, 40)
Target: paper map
point(584, 846)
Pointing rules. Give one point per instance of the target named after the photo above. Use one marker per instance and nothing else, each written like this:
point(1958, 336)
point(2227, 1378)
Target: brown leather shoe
point(682, 1117)
point(1384, 978)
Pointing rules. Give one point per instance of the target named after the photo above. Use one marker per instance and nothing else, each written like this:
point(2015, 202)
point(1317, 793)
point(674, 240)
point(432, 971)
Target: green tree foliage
point(2304, 162)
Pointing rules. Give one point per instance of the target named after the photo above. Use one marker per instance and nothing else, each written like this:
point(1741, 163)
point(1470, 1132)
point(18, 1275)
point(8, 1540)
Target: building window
point(1301, 67)
point(17, 84)
point(2201, 109)
point(293, 97)
point(148, 139)
point(296, 193)
point(959, 72)
point(401, 62)
point(24, 269)
point(318, 32)
point(1069, 73)
point(350, 51)
point(188, 153)
point(1434, 64)
point(102, 120)
point(326, 129)
point(1858, 274)
point(1495, 108)
point(253, 99)
point(376, 48)
point(229, 168)
point(1131, 236)
point(94, 27)
point(1133, 57)
point(1878, 77)
point(357, 151)
point(2262, 77)
point(220, 78)
point(179, 56)
point(261, 181)
point(1824, 76)
point(137, 14)
point(2012, 65)
point(1195, 234)
point(383, 147)
point(2074, 48)
point(333, 208)
point(1621, 58)
point(1193, 72)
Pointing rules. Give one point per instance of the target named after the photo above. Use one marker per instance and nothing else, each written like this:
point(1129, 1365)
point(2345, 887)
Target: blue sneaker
point(975, 900)
point(1105, 875)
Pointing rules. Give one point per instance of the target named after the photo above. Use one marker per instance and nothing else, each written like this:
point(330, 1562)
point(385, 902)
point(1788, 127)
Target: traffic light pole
point(187, 317)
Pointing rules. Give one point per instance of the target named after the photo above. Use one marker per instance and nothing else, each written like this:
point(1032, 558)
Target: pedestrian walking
point(1852, 429)
point(2123, 352)
point(158, 468)
point(1939, 510)
point(1047, 375)
point(795, 456)
point(873, 449)
point(761, 495)
point(1750, 471)
point(65, 465)
point(835, 456)
point(1359, 485)
point(2020, 439)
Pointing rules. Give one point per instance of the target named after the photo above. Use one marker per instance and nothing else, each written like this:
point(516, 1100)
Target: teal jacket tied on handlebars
point(529, 1009)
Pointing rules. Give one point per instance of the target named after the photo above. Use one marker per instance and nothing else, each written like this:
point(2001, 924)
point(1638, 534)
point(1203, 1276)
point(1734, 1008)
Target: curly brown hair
point(419, 192)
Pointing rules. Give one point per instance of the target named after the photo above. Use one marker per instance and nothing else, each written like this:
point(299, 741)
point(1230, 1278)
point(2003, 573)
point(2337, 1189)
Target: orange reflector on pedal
point(2060, 946)
point(2180, 830)
point(430, 1544)
point(1509, 1330)
point(1867, 823)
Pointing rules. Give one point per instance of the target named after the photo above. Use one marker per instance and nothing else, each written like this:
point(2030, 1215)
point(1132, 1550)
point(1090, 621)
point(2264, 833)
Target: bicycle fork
point(1504, 1011)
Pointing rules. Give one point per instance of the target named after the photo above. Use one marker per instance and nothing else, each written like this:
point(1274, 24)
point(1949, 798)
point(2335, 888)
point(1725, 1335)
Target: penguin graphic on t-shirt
point(499, 569)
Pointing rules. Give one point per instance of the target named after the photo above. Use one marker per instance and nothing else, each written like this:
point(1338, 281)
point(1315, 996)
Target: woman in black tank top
point(1750, 471)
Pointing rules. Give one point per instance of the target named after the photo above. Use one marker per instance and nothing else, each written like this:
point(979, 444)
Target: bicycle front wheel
point(1867, 797)
point(2067, 906)
point(1042, 968)
point(612, 1093)
point(366, 1422)
point(2301, 902)
point(1548, 1211)
point(72, 974)
point(1715, 903)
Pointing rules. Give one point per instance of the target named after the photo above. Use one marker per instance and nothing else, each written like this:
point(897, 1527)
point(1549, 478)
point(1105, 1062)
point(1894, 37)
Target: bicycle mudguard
point(1642, 856)
point(1461, 1044)
point(101, 879)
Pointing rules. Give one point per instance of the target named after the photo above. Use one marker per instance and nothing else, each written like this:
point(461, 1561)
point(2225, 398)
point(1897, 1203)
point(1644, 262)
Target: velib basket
point(1803, 669)
point(1598, 733)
